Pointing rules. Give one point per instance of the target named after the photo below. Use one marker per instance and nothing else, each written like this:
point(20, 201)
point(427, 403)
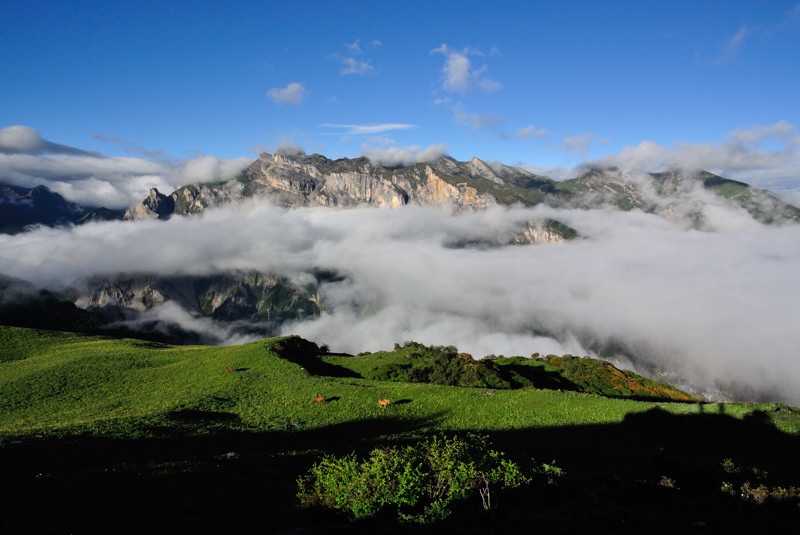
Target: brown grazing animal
point(319, 399)
point(229, 368)
point(383, 403)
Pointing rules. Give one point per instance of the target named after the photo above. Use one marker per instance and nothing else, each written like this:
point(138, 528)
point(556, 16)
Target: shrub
point(419, 483)
point(442, 365)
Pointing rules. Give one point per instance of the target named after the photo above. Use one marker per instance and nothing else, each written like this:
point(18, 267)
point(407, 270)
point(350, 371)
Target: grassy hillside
point(214, 438)
point(52, 381)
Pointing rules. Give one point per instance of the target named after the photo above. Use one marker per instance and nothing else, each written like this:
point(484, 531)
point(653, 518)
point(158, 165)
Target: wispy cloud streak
point(366, 129)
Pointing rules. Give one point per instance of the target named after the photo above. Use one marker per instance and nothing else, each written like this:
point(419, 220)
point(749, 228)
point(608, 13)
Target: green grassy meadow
point(223, 433)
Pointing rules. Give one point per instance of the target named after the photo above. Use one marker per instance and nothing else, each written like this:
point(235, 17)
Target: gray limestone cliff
point(297, 179)
point(293, 179)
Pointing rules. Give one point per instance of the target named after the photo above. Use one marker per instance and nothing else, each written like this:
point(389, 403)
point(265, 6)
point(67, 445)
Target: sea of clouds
point(718, 305)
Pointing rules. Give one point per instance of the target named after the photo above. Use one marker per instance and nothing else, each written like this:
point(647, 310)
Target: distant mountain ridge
point(297, 179)
point(670, 194)
point(21, 207)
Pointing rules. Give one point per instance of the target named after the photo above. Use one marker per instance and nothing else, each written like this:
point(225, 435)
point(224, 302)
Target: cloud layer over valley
point(91, 179)
point(718, 306)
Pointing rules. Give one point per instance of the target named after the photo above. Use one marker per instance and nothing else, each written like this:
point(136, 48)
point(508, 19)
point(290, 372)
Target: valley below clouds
point(715, 309)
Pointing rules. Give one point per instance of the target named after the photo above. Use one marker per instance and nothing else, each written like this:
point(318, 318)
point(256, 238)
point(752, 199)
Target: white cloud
point(762, 155)
point(20, 139)
point(170, 314)
point(458, 74)
point(131, 147)
point(489, 85)
point(530, 131)
point(94, 180)
point(367, 129)
point(578, 144)
point(354, 66)
point(754, 136)
point(203, 168)
point(15, 139)
point(354, 47)
point(390, 155)
point(293, 94)
point(556, 172)
point(475, 121)
point(582, 143)
point(733, 45)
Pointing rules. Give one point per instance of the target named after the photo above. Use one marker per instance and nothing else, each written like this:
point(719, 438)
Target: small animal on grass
point(320, 399)
point(229, 368)
point(383, 403)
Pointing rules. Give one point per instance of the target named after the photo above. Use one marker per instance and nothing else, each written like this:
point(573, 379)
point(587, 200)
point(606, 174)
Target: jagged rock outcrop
point(303, 180)
point(228, 296)
point(155, 206)
point(297, 179)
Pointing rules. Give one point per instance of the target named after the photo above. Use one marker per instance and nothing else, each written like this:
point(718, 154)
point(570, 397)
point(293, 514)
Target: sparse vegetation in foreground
point(214, 439)
point(419, 483)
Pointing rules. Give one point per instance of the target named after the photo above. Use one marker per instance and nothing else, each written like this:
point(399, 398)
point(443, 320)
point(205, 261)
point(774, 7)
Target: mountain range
point(296, 179)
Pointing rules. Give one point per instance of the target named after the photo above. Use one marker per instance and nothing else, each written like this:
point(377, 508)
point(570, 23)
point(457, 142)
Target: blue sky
point(546, 85)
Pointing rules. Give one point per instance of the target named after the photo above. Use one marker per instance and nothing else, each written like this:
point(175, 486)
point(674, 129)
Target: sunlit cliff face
point(716, 306)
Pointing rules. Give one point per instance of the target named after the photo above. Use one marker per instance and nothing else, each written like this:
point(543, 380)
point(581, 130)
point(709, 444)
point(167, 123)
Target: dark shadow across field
point(306, 354)
point(653, 473)
point(539, 377)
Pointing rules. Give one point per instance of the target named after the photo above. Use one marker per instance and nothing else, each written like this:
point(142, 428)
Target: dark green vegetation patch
point(444, 365)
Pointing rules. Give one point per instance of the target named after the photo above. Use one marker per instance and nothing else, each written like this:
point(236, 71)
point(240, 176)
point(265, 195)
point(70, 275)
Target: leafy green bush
point(419, 484)
point(413, 362)
point(440, 365)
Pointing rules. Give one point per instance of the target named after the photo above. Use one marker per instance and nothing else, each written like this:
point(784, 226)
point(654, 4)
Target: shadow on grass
point(201, 417)
point(306, 354)
point(200, 475)
point(655, 472)
point(538, 376)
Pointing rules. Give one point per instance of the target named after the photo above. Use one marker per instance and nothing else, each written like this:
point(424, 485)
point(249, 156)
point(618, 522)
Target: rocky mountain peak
point(155, 206)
